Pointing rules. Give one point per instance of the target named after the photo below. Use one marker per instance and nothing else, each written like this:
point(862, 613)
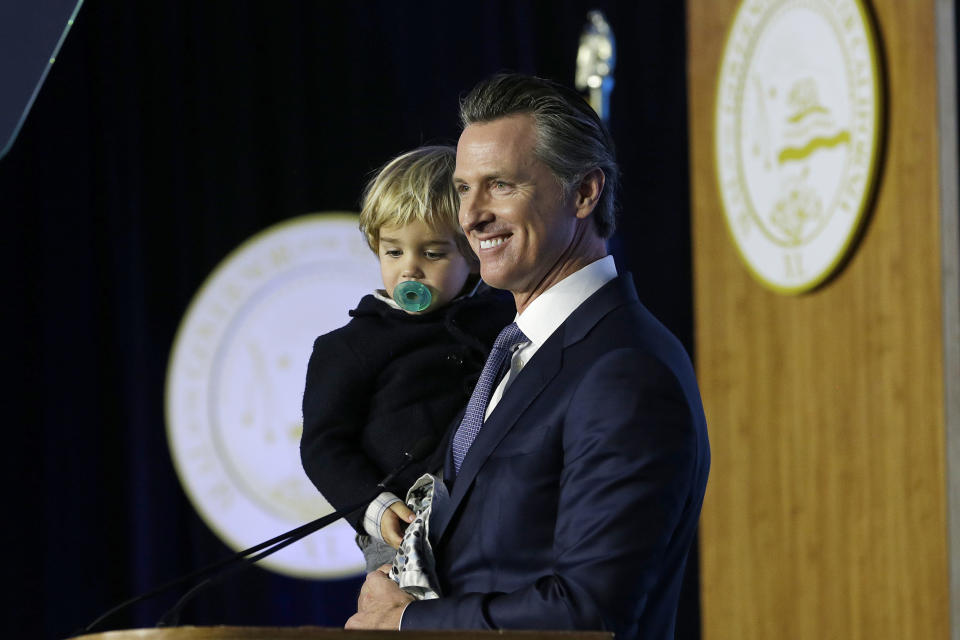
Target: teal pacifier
point(412, 296)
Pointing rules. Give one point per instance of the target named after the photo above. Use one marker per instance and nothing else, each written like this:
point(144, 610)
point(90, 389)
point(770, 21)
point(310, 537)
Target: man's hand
point(381, 603)
point(394, 522)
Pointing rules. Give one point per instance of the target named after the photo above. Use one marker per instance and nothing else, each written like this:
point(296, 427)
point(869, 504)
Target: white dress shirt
point(548, 311)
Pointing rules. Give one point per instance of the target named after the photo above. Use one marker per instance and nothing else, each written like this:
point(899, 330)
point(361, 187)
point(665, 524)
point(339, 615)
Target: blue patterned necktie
point(480, 398)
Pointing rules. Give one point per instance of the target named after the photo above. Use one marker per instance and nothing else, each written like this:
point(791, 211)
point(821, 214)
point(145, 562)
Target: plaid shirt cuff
point(374, 513)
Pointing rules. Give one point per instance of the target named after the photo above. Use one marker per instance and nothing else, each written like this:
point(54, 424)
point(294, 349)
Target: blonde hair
point(415, 186)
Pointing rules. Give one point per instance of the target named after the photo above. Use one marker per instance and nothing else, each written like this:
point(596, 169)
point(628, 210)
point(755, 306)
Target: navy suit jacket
point(577, 503)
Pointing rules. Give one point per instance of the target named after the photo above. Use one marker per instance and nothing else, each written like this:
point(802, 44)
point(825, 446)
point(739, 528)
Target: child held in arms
point(405, 364)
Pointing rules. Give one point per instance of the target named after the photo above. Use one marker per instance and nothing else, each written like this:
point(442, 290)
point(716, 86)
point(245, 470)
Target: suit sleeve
point(338, 387)
point(629, 451)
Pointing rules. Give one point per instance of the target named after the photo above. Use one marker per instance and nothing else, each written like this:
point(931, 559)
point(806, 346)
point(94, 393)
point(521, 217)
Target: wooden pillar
point(833, 507)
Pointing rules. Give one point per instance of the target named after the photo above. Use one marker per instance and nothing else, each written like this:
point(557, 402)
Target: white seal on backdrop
point(797, 136)
point(235, 386)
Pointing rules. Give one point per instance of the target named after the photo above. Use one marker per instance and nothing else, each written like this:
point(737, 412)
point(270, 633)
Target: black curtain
point(166, 134)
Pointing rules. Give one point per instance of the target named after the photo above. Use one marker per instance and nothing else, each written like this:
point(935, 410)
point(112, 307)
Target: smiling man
point(577, 472)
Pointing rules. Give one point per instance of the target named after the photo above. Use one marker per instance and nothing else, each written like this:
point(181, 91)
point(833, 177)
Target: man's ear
point(588, 192)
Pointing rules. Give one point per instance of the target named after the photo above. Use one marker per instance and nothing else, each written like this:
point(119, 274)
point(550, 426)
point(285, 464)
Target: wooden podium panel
point(826, 514)
point(323, 633)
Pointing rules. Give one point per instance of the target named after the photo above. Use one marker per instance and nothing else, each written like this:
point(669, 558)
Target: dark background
point(166, 134)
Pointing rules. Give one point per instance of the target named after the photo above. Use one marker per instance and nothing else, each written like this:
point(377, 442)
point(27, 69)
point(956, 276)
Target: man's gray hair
point(571, 139)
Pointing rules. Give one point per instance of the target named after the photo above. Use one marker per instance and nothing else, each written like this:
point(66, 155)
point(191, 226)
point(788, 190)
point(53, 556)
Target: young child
point(392, 377)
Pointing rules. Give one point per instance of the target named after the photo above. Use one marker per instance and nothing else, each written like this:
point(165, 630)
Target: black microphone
point(244, 559)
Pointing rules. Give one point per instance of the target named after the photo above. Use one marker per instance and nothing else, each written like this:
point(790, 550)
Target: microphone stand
point(245, 558)
point(172, 617)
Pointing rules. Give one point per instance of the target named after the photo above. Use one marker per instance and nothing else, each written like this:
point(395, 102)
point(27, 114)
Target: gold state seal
point(235, 385)
point(797, 135)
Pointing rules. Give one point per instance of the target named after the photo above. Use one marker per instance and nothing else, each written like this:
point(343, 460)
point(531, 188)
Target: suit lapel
point(524, 389)
point(529, 384)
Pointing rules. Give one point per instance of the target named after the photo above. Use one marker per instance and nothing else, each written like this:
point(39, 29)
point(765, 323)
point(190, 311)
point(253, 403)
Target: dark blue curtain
point(169, 132)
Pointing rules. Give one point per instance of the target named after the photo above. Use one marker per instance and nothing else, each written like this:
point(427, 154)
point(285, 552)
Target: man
point(575, 504)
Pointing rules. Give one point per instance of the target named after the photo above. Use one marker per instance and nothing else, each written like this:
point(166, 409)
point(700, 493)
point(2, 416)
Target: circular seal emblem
point(235, 385)
point(797, 136)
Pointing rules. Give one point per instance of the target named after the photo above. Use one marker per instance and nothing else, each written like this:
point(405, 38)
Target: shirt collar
point(552, 307)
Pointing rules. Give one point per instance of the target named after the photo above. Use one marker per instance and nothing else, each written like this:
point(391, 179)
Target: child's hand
point(394, 522)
